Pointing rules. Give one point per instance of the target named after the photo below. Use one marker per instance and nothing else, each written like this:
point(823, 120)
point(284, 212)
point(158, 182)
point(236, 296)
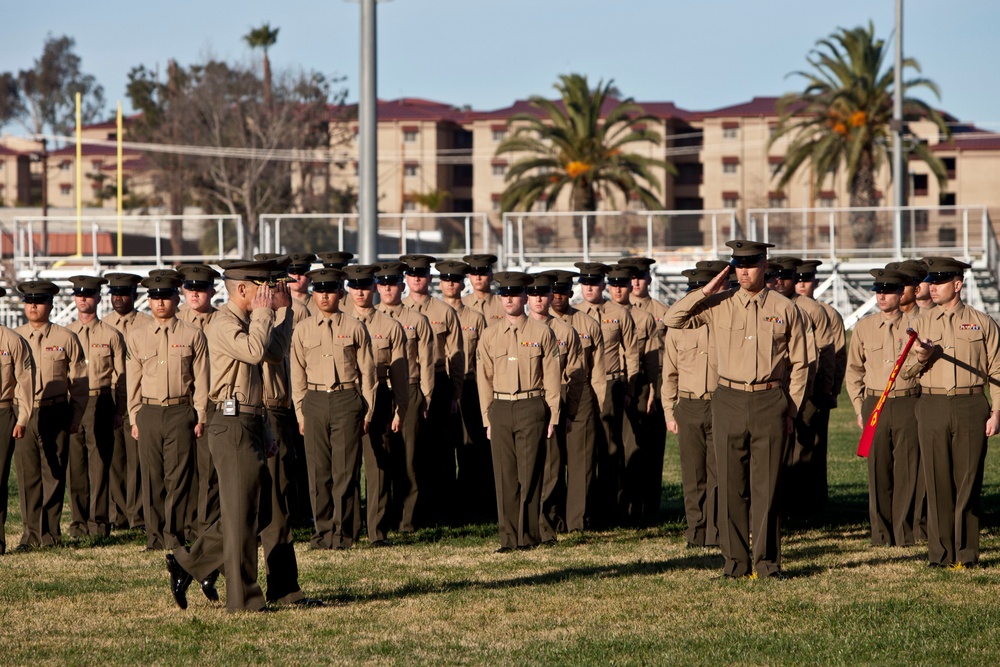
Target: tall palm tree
point(571, 145)
point(842, 118)
point(263, 38)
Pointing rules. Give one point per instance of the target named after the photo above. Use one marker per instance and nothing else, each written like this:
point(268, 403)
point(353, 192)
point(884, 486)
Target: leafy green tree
point(581, 144)
point(841, 119)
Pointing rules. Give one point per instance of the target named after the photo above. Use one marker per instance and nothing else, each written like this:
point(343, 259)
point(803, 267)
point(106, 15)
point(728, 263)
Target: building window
point(496, 206)
point(920, 185)
point(96, 165)
point(410, 137)
point(65, 189)
point(409, 206)
point(499, 169)
point(729, 167)
point(776, 200)
point(827, 202)
point(775, 168)
point(65, 165)
point(949, 166)
point(499, 135)
point(410, 170)
point(730, 202)
point(730, 133)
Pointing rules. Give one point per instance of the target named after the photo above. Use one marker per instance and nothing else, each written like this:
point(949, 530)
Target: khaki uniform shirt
point(876, 344)
point(331, 351)
point(300, 311)
point(473, 325)
point(689, 367)
point(574, 373)
point(448, 353)
point(490, 307)
point(275, 370)
point(839, 347)
point(17, 373)
point(60, 366)
point(968, 353)
point(166, 361)
point(200, 320)
point(649, 345)
point(517, 357)
point(389, 351)
point(125, 322)
point(658, 310)
point(237, 345)
point(618, 330)
point(591, 338)
point(759, 338)
point(825, 353)
point(419, 346)
point(104, 348)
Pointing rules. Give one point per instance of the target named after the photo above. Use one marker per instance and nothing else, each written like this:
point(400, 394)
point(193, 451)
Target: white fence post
point(586, 240)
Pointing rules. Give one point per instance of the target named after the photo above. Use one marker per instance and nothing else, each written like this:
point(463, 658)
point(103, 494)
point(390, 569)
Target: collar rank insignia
point(774, 320)
point(969, 327)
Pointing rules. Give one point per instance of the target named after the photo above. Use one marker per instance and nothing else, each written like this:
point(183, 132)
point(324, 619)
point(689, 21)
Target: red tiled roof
point(658, 109)
point(408, 109)
point(112, 124)
point(972, 140)
point(758, 106)
point(9, 151)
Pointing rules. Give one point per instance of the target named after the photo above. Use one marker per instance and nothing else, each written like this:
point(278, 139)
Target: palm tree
point(842, 118)
point(263, 38)
point(570, 145)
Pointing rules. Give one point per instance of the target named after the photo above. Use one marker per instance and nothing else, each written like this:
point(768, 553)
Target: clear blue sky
point(699, 54)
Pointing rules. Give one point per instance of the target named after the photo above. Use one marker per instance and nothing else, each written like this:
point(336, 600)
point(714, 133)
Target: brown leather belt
point(180, 400)
point(957, 391)
point(707, 396)
point(46, 402)
point(275, 404)
point(613, 377)
point(243, 410)
point(749, 386)
point(895, 393)
point(518, 396)
point(99, 392)
point(6, 404)
point(344, 386)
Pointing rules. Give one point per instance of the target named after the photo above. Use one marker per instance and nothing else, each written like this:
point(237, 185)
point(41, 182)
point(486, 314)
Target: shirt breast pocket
point(55, 363)
point(314, 355)
point(687, 352)
point(100, 360)
point(778, 333)
point(531, 361)
point(346, 353)
point(970, 347)
point(383, 351)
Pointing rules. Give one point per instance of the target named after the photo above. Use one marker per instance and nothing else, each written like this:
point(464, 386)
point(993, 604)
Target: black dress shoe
point(380, 543)
point(179, 581)
point(503, 550)
point(309, 603)
point(208, 586)
point(22, 548)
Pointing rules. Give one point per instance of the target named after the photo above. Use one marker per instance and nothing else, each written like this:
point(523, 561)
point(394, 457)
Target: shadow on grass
point(705, 561)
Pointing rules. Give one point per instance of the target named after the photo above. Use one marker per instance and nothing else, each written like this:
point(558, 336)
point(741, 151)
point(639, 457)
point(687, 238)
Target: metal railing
point(143, 232)
point(445, 235)
point(550, 237)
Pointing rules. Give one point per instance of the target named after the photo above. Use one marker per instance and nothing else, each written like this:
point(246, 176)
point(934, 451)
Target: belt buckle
point(746, 386)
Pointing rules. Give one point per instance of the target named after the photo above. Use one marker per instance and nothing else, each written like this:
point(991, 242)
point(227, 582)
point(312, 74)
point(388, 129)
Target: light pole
point(368, 130)
point(898, 175)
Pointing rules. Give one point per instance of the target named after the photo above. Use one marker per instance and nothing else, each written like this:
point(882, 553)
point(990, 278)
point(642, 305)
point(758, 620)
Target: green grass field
point(630, 596)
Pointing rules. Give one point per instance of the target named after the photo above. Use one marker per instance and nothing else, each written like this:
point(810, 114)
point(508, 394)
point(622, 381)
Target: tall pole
point(367, 127)
point(118, 154)
point(899, 174)
point(79, 181)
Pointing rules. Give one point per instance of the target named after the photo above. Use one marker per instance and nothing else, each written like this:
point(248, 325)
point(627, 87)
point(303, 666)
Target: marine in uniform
point(959, 353)
point(337, 259)
point(482, 297)
point(651, 491)
point(573, 382)
point(621, 358)
point(238, 341)
point(404, 491)
point(168, 380)
point(17, 388)
point(760, 340)
point(392, 398)
point(805, 288)
point(690, 378)
point(197, 310)
point(582, 431)
point(804, 484)
point(437, 454)
point(876, 343)
point(519, 378)
point(333, 390)
point(126, 477)
point(92, 446)
point(474, 498)
point(640, 412)
point(60, 400)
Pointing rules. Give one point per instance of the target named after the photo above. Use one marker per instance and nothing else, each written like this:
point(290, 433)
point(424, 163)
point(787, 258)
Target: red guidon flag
point(865, 444)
